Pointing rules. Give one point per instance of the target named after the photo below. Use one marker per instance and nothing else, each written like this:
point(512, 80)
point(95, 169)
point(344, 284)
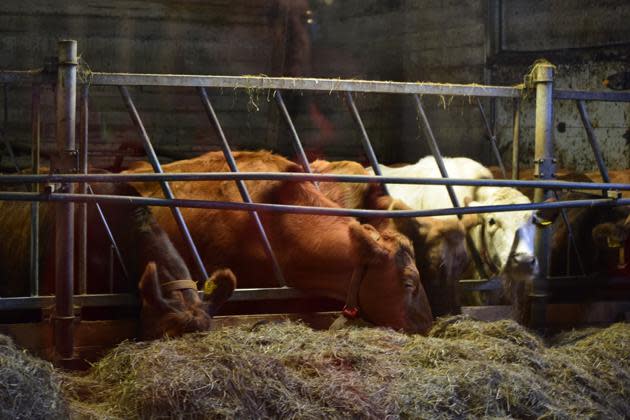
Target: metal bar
point(571, 243)
point(492, 138)
point(592, 139)
point(435, 151)
point(35, 145)
point(311, 84)
point(286, 208)
point(242, 188)
point(202, 275)
point(110, 269)
point(297, 144)
point(131, 300)
point(109, 233)
point(82, 208)
point(64, 215)
point(584, 95)
point(516, 131)
point(543, 159)
point(365, 140)
point(299, 177)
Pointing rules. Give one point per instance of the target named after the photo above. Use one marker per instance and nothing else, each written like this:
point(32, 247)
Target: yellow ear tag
point(545, 223)
point(209, 287)
point(622, 258)
point(613, 243)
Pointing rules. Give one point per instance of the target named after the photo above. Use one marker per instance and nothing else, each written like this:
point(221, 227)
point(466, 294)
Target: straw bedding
point(464, 369)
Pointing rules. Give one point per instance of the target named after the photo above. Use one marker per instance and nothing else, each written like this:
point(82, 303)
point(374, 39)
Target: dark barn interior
point(535, 94)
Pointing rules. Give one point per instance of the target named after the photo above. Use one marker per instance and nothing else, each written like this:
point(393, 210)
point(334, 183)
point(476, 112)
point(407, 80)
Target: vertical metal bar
point(435, 150)
point(35, 143)
point(297, 144)
point(544, 169)
point(82, 207)
point(365, 140)
point(592, 139)
point(516, 132)
point(242, 188)
point(110, 235)
point(110, 269)
point(492, 138)
point(64, 214)
point(202, 275)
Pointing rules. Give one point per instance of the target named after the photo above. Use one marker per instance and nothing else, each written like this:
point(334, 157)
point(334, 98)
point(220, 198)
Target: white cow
point(505, 240)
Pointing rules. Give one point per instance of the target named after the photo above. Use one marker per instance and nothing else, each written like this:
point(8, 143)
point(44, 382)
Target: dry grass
point(29, 387)
point(464, 369)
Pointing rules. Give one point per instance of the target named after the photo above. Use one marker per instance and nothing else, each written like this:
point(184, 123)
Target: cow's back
point(432, 196)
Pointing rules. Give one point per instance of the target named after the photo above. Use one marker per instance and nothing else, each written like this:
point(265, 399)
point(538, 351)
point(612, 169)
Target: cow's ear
point(150, 288)
point(366, 239)
point(218, 289)
point(607, 235)
point(471, 220)
point(546, 217)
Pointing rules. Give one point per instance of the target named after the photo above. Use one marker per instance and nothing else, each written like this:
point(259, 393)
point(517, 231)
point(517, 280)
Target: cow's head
point(610, 238)
point(505, 240)
point(172, 307)
point(390, 292)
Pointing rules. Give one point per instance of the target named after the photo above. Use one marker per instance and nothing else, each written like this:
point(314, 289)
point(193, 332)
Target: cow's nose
point(522, 259)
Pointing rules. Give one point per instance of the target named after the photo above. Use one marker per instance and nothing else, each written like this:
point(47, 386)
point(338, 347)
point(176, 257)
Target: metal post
point(64, 214)
point(82, 207)
point(592, 139)
point(492, 138)
point(202, 275)
point(242, 188)
point(297, 144)
point(544, 169)
point(35, 143)
point(365, 140)
point(435, 150)
point(516, 131)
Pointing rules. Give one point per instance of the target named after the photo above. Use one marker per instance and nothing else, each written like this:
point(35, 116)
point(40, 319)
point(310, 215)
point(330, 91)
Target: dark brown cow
point(439, 244)
point(171, 303)
point(602, 236)
point(321, 253)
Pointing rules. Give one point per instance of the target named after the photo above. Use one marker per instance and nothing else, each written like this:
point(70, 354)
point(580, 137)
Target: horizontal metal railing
point(286, 208)
point(299, 177)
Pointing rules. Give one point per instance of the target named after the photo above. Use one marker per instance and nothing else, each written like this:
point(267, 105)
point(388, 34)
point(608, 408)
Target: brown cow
point(439, 244)
point(320, 253)
point(171, 303)
point(602, 237)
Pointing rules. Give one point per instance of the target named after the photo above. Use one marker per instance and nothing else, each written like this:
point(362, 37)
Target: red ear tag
point(350, 313)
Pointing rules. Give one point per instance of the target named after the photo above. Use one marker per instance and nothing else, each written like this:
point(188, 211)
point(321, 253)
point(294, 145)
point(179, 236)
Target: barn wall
point(405, 40)
point(587, 41)
point(445, 42)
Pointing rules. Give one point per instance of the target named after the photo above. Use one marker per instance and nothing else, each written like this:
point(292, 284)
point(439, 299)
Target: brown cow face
point(176, 312)
point(610, 239)
point(390, 293)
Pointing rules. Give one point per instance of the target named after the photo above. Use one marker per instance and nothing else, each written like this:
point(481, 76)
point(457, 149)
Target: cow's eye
point(492, 222)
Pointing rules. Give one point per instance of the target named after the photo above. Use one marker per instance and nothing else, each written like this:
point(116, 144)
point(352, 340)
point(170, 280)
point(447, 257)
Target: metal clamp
point(545, 168)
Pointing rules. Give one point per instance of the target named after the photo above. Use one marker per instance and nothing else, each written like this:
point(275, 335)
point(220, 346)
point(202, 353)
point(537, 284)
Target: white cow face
point(506, 239)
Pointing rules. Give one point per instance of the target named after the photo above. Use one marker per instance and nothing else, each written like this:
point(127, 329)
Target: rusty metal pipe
point(35, 145)
point(64, 215)
point(82, 207)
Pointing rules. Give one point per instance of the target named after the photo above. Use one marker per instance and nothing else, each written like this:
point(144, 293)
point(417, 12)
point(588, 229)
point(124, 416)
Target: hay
point(464, 369)
point(29, 387)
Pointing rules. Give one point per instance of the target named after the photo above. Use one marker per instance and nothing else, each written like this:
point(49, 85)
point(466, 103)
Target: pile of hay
point(464, 369)
point(29, 387)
